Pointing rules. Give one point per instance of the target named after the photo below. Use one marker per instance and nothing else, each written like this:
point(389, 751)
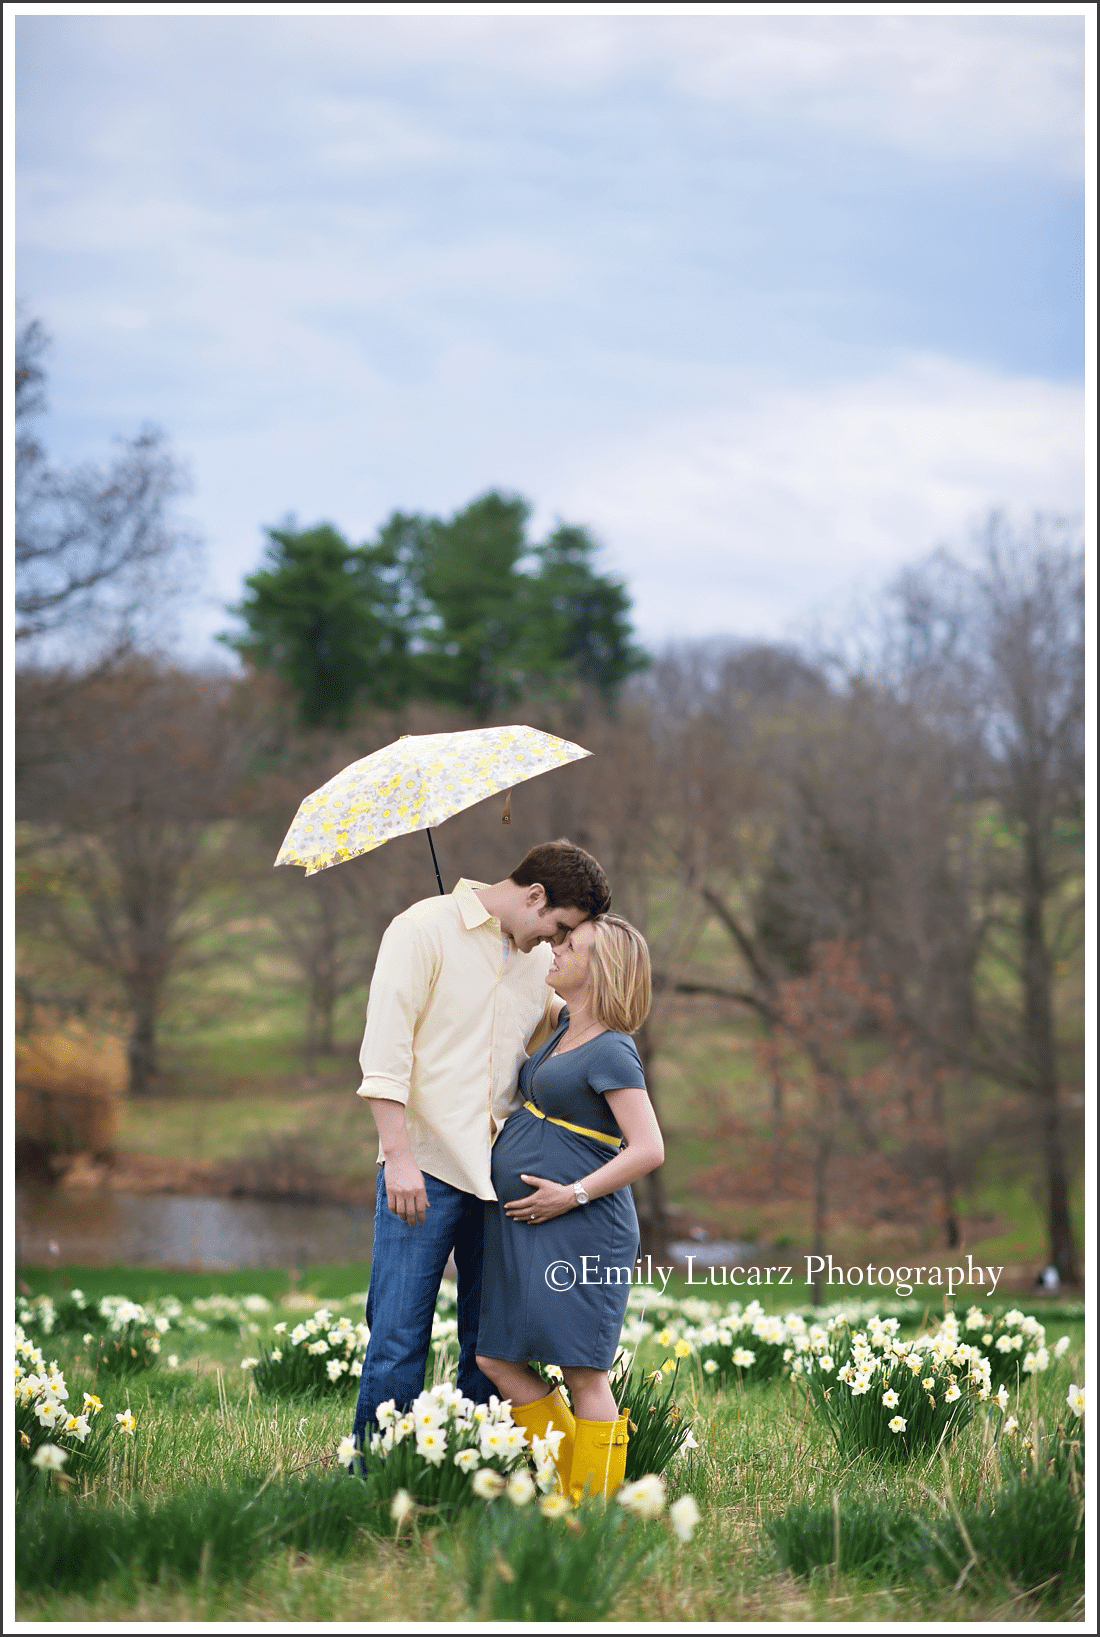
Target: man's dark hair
point(570, 877)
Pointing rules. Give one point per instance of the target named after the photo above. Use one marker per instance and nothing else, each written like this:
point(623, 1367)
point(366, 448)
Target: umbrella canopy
point(418, 781)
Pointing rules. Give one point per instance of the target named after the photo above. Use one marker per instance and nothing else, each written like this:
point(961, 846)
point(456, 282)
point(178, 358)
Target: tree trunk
point(821, 1167)
point(142, 1046)
point(777, 1134)
point(1040, 1047)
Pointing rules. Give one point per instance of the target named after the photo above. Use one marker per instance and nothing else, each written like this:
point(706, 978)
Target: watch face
point(582, 1197)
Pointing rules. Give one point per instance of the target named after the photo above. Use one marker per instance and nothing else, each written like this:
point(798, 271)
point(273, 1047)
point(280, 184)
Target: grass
point(212, 1461)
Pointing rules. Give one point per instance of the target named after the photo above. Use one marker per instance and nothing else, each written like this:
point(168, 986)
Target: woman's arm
point(644, 1152)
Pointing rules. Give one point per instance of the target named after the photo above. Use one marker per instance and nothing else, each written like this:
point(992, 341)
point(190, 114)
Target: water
point(95, 1227)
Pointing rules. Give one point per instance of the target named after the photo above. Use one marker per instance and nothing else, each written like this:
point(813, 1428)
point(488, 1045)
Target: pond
point(96, 1227)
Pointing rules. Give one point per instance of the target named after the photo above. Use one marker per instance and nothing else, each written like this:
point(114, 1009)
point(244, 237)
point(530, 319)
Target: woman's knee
point(579, 1375)
point(488, 1366)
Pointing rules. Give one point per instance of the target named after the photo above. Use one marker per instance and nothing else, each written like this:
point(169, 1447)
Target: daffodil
point(48, 1458)
point(898, 1424)
point(645, 1498)
point(683, 1515)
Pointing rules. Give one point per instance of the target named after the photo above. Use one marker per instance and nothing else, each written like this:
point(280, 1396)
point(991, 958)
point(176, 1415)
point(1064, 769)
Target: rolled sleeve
point(404, 974)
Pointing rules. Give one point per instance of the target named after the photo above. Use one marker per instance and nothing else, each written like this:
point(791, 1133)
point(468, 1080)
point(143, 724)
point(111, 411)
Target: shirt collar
point(472, 910)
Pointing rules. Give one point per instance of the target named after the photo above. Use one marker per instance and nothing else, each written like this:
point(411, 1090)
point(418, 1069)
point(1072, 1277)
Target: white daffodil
point(401, 1506)
point(346, 1451)
point(521, 1488)
point(890, 1399)
point(467, 1460)
point(431, 1443)
point(1075, 1398)
point(683, 1515)
point(898, 1424)
point(48, 1458)
point(487, 1484)
point(126, 1422)
point(555, 1506)
point(645, 1498)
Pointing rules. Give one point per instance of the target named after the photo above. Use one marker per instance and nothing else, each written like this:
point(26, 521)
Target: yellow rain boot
point(599, 1458)
point(616, 1468)
point(536, 1420)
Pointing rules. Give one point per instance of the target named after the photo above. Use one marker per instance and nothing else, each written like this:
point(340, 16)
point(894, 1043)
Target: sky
point(771, 303)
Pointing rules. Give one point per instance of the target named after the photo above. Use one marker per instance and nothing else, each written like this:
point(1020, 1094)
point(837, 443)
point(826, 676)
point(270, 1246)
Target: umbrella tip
point(506, 816)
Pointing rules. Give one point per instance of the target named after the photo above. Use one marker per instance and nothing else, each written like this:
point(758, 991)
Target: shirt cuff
point(380, 1085)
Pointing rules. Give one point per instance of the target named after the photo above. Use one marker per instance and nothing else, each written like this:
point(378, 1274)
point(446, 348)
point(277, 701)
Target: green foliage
point(436, 609)
point(123, 1352)
point(658, 1430)
point(863, 1537)
point(1028, 1532)
point(208, 1530)
point(887, 1398)
point(521, 1565)
point(320, 1356)
point(1031, 1531)
point(322, 614)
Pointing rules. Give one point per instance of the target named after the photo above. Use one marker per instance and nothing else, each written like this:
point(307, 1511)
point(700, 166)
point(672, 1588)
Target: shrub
point(868, 1537)
point(444, 1454)
point(892, 1398)
point(321, 1356)
point(543, 1561)
point(56, 1443)
point(1014, 1345)
point(223, 1533)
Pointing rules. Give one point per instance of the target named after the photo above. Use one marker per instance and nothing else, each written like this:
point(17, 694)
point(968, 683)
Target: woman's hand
point(550, 1199)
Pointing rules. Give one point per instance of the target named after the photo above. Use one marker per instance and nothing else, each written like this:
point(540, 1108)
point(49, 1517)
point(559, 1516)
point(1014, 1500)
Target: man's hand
point(406, 1194)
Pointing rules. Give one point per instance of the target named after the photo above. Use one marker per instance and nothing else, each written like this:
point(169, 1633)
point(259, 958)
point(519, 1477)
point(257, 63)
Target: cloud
point(749, 516)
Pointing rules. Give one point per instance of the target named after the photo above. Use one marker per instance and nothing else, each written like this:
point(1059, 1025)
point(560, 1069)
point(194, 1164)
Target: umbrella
point(416, 782)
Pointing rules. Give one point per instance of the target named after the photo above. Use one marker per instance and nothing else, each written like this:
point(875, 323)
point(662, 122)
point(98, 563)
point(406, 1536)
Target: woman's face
point(568, 972)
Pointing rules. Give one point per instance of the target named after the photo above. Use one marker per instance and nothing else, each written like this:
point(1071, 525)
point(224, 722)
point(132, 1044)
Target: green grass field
point(763, 1454)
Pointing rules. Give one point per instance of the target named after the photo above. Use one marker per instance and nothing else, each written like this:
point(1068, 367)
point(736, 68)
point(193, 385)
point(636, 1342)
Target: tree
point(438, 610)
point(97, 553)
point(995, 648)
point(577, 622)
point(123, 821)
point(322, 615)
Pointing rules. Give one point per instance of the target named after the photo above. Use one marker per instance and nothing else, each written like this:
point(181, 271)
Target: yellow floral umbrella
point(418, 781)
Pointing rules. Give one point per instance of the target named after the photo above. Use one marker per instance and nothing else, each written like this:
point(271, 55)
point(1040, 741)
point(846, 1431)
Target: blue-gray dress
point(556, 1291)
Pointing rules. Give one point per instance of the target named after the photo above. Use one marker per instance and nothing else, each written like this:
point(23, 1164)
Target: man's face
point(534, 922)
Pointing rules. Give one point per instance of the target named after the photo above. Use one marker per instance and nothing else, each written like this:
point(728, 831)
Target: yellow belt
point(581, 1130)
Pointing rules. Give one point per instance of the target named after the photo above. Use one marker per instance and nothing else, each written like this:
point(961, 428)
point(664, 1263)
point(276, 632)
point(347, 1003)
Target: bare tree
point(123, 818)
point(1002, 639)
point(97, 552)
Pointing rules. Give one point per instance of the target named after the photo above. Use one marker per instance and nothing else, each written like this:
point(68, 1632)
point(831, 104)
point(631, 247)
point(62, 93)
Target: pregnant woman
point(562, 1236)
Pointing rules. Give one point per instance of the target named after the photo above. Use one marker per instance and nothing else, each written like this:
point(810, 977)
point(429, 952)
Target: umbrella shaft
point(435, 860)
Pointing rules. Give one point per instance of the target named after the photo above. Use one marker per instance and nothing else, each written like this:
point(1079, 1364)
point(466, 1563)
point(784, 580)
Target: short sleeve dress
point(557, 1291)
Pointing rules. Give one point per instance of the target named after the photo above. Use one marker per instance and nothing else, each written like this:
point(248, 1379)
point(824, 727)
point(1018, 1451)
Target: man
point(459, 993)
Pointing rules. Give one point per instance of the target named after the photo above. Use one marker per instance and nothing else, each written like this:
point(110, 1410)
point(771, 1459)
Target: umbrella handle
point(435, 860)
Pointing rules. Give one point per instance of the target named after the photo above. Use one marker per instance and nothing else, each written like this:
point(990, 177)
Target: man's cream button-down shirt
point(449, 1022)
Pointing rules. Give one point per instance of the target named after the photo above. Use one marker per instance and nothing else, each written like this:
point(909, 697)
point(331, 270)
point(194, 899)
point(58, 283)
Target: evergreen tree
point(323, 615)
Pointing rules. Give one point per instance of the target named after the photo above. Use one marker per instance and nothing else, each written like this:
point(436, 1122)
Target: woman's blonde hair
point(622, 984)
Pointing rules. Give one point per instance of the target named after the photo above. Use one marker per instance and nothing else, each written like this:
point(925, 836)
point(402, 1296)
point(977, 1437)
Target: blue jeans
point(407, 1264)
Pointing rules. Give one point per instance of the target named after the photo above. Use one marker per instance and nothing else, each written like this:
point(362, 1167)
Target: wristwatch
point(582, 1197)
